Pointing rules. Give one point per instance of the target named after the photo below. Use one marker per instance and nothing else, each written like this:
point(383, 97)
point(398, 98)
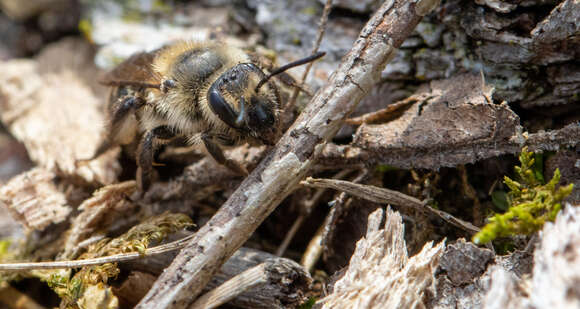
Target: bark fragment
point(56, 130)
point(33, 200)
point(98, 211)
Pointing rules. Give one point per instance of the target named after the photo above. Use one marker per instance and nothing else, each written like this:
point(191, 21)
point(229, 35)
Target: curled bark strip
point(291, 159)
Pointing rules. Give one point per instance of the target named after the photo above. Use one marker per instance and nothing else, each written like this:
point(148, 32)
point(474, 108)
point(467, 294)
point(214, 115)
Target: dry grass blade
point(178, 244)
point(382, 195)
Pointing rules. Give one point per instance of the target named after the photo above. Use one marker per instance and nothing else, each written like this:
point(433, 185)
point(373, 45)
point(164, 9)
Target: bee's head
point(245, 99)
point(233, 97)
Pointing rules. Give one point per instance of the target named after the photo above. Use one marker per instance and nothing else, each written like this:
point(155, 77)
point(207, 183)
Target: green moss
point(72, 289)
point(308, 304)
point(531, 202)
point(310, 10)
point(383, 168)
point(86, 28)
point(4, 245)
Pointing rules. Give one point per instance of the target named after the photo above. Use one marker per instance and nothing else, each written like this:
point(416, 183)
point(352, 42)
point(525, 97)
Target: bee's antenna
point(289, 66)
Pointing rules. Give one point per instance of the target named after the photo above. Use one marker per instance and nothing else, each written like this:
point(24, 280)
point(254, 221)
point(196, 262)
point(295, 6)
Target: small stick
point(319, 36)
point(386, 196)
point(313, 251)
point(307, 208)
point(178, 244)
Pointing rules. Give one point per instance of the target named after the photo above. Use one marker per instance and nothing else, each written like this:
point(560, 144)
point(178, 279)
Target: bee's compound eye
point(221, 108)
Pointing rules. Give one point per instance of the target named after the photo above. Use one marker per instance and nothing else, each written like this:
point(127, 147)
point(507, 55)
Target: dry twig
point(382, 195)
point(291, 159)
point(174, 245)
point(319, 36)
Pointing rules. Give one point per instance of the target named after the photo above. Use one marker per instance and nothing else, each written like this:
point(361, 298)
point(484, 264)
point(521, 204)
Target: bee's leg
point(217, 153)
point(128, 105)
point(146, 153)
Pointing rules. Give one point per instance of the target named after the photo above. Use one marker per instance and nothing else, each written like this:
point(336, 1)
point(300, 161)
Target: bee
point(199, 92)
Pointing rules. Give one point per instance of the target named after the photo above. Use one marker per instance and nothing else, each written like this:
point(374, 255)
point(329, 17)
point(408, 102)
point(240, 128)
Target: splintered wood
point(33, 200)
point(106, 204)
point(380, 274)
point(55, 114)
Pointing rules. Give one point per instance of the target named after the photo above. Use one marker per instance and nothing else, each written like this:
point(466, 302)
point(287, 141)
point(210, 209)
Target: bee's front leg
point(217, 153)
point(146, 152)
point(118, 117)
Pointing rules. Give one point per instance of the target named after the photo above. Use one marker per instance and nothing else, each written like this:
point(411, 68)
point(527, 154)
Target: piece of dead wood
point(33, 200)
point(245, 258)
point(56, 129)
point(435, 157)
point(463, 261)
point(386, 196)
point(291, 159)
point(105, 205)
point(380, 274)
point(274, 274)
point(466, 271)
point(451, 122)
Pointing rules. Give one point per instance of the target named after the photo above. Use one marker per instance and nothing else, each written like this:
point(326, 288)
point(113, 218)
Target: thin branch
point(122, 257)
point(386, 196)
point(290, 160)
point(319, 36)
point(307, 208)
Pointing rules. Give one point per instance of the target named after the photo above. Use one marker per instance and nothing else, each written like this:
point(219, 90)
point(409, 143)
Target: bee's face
point(234, 99)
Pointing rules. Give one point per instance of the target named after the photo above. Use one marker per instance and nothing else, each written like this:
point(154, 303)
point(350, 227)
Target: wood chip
point(380, 274)
point(33, 199)
point(106, 204)
point(56, 115)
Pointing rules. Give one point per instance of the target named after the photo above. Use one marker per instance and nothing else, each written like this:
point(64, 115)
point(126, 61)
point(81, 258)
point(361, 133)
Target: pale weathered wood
point(282, 169)
point(380, 273)
point(274, 294)
point(278, 275)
